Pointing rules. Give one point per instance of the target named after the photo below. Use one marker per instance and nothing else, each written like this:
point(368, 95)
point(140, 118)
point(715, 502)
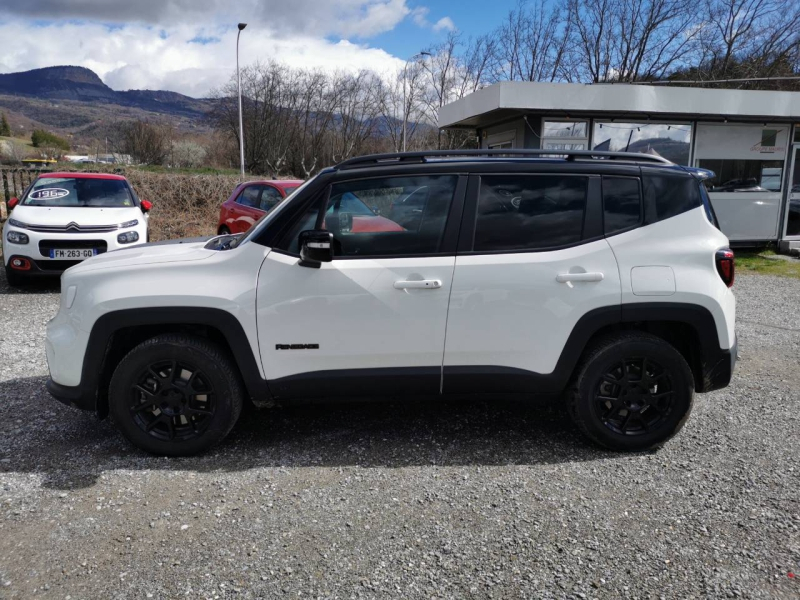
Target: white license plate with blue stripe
point(73, 253)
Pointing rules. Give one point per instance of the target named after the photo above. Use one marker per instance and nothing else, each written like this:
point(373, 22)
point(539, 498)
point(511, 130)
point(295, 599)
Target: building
point(750, 139)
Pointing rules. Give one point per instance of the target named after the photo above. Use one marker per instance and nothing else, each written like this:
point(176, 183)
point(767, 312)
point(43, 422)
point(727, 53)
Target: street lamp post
point(239, 89)
point(405, 107)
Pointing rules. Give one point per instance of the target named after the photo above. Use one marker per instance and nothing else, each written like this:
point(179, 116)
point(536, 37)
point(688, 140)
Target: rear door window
point(529, 212)
point(622, 204)
point(250, 196)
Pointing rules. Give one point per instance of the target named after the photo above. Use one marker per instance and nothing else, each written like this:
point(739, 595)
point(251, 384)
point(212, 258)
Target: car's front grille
point(72, 228)
point(46, 245)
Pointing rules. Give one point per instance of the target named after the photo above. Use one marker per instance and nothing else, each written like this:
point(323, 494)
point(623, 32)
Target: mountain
point(83, 85)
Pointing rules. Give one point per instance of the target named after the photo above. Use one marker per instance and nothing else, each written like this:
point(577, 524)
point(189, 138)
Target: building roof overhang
point(512, 99)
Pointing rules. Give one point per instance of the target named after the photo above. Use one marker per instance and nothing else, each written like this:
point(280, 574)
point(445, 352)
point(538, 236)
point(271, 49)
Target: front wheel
point(176, 395)
point(632, 391)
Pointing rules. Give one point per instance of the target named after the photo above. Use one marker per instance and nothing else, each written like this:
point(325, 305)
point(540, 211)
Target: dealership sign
point(768, 144)
point(729, 141)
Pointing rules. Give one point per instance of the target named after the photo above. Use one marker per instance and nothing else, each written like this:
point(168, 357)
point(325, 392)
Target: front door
point(372, 321)
point(793, 205)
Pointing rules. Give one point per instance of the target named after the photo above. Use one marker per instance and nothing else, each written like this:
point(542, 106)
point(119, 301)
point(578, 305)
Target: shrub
point(45, 139)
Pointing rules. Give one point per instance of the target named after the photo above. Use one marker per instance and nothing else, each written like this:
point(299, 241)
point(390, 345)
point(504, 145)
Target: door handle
point(570, 277)
point(421, 284)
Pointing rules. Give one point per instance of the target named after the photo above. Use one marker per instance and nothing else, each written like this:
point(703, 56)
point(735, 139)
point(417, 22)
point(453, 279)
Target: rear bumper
point(717, 374)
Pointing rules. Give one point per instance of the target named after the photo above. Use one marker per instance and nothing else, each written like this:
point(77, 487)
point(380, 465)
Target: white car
point(65, 218)
point(602, 278)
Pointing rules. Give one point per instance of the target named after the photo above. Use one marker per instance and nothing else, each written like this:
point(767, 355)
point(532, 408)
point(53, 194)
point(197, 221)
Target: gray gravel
point(483, 500)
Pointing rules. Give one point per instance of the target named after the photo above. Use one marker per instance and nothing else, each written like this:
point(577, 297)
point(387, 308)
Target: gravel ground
point(483, 500)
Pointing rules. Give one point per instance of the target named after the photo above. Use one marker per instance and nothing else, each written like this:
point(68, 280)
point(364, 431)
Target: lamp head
point(242, 26)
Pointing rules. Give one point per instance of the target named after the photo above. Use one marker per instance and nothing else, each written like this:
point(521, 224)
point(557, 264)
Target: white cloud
point(346, 18)
point(445, 23)
point(140, 56)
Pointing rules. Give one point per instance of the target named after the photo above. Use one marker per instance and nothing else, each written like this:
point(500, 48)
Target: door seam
point(446, 319)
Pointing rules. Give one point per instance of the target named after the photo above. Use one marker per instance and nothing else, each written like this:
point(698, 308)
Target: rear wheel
point(632, 391)
point(175, 395)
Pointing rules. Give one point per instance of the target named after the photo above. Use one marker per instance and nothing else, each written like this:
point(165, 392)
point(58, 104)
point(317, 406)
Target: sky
point(189, 46)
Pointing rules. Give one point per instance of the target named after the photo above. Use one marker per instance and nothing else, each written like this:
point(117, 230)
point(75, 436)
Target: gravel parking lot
point(474, 500)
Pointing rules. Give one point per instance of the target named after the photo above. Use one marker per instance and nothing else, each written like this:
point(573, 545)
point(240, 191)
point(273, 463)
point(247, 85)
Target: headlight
point(17, 237)
point(127, 224)
point(128, 237)
point(16, 223)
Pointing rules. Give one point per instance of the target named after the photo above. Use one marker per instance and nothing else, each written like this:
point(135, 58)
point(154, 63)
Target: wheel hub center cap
point(172, 403)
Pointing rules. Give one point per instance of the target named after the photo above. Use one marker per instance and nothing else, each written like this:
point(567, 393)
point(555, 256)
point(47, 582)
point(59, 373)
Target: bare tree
point(532, 43)
point(630, 40)
point(147, 143)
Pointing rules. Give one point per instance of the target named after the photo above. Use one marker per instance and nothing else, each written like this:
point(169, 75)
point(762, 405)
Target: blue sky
point(188, 46)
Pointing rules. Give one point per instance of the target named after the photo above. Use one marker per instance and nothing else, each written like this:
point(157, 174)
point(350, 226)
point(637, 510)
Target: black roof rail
point(423, 156)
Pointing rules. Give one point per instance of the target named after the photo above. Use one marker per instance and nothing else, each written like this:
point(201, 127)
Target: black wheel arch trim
point(715, 363)
point(88, 395)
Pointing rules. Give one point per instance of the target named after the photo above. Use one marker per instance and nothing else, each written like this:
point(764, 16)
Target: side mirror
point(316, 247)
point(147, 206)
point(12, 203)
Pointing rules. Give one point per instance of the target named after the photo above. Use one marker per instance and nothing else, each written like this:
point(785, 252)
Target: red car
point(250, 201)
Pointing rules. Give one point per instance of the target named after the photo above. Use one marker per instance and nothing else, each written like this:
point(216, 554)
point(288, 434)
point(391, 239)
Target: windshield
point(69, 192)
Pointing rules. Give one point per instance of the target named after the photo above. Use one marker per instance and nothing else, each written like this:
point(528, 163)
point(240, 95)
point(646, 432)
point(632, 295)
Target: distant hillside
point(83, 85)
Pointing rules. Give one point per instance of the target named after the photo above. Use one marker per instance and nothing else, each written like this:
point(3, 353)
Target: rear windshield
point(78, 191)
point(288, 189)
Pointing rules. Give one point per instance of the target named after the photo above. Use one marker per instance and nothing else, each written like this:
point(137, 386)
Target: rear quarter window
point(668, 193)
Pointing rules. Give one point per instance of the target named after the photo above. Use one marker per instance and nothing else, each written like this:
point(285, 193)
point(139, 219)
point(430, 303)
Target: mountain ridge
point(68, 82)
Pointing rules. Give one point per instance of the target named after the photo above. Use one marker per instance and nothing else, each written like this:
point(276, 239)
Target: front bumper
point(36, 250)
point(72, 396)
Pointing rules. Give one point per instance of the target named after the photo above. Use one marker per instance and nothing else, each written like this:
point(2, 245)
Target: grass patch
point(767, 262)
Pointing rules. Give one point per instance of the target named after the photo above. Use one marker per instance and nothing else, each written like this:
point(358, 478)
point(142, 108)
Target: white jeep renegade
point(600, 277)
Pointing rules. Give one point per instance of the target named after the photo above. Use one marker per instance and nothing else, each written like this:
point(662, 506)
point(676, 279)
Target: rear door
point(372, 321)
point(247, 209)
point(532, 262)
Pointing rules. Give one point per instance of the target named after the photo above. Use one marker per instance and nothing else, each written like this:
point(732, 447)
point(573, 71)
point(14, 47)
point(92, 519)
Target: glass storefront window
point(669, 140)
point(565, 135)
point(739, 175)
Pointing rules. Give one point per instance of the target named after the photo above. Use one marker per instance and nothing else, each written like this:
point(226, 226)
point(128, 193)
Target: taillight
point(726, 266)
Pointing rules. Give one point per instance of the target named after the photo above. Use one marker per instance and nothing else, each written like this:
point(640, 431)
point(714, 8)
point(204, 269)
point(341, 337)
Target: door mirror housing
point(147, 206)
point(316, 247)
point(12, 203)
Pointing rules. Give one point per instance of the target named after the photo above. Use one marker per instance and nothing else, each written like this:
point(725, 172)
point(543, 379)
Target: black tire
point(224, 231)
point(631, 391)
point(176, 395)
point(13, 278)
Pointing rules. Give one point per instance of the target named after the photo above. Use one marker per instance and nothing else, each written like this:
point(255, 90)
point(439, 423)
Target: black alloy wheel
point(172, 400)
point(176, 394)
point(631, 391)
point(634, 396)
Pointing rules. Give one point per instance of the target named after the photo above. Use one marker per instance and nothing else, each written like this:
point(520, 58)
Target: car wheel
point(224, 230)
point(632, 391)
point(13, 278)
point(176, 395)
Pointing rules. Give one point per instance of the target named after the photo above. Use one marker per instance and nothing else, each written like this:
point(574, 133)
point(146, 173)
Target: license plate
point(73, 254)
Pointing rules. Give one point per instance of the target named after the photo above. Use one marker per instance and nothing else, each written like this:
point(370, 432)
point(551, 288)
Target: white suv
point(598, 277)
point(64, 218)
